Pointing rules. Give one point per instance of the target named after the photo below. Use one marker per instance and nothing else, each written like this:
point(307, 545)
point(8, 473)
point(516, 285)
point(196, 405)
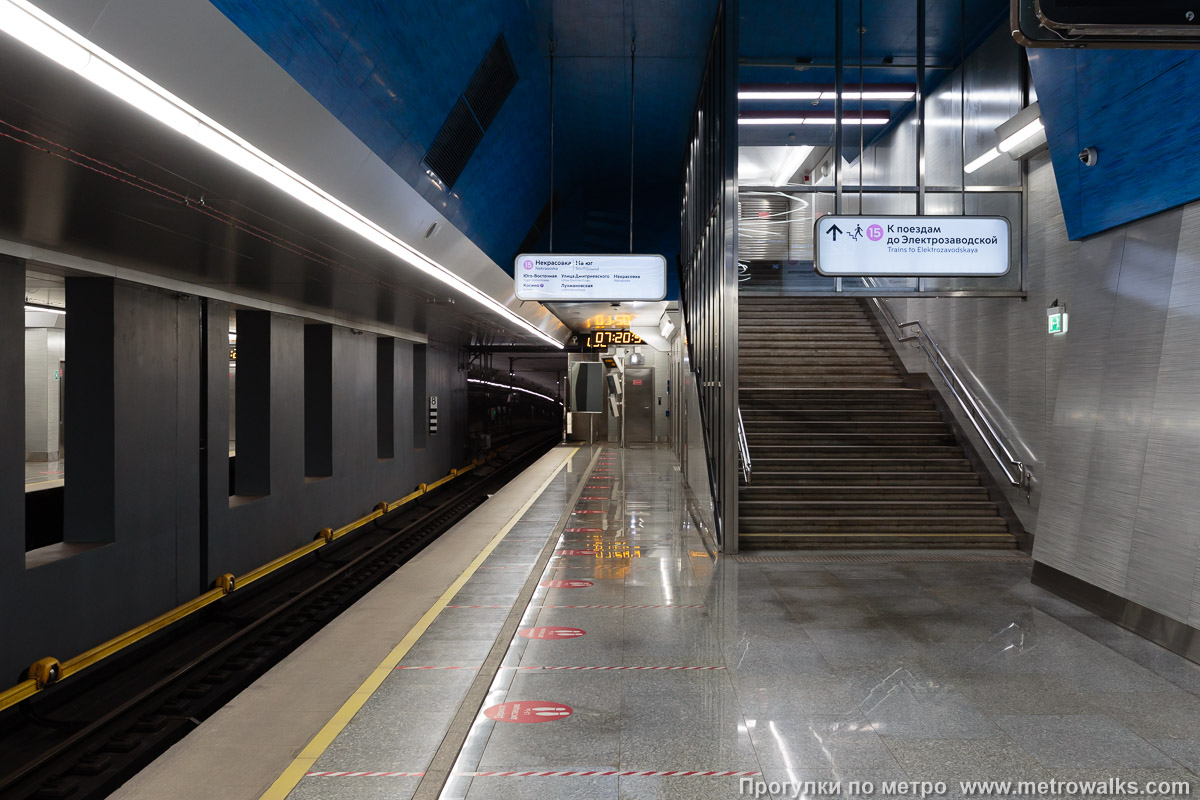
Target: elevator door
point(639, 405)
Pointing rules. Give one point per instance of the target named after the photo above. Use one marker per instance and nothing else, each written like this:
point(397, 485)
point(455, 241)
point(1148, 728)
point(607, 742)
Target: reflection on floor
point(639, 659)
point(41, 475)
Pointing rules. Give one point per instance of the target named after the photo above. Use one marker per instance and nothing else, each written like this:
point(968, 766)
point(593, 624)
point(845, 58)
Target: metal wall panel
point(1165, 551)
point(1105, 415)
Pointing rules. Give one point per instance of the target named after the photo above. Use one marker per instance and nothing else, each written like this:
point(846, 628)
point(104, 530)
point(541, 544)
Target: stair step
point(853, 432)
point(851, 494)
point(873, 541)
point(834, 525)
point(771, 464)
point(763, 476)
point(803, 511)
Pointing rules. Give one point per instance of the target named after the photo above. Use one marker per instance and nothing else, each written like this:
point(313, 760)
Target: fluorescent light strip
point(33, 27)
point(983, 160)
point(791, 162)
point(1029, 131)
point(45, 309)
point(808, 121)
point(515, 389)
point(786, 94)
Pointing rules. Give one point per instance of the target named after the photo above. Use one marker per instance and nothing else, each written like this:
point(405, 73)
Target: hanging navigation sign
point(911, 247)
point(572, 277)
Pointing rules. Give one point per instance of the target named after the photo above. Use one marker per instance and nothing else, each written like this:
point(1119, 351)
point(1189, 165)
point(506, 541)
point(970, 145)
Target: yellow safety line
point(28, 688)
point(291, 776)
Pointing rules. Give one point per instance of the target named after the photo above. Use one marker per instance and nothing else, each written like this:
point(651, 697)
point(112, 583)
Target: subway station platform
point(575, 639)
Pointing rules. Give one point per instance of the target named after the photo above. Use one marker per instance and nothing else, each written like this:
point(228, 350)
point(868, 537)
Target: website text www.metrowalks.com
point(1109, 787)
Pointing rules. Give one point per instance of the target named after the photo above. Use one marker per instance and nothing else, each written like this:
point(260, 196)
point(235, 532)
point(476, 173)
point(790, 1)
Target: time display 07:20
point(598, 340)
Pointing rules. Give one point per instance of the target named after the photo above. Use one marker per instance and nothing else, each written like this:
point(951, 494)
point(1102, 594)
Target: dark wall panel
point(89, 410)
point(12, 452)
point(168, 546)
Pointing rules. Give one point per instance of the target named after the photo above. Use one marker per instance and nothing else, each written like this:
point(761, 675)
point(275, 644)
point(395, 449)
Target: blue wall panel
point(1139, 109)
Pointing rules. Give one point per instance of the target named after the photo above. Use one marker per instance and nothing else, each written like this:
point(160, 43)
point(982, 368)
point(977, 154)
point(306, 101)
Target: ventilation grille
point(454, 144)
point(473, 114)
point(491, 84)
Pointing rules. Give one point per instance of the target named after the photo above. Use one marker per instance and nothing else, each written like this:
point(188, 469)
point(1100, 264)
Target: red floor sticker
point(589, 511)
point(528, 711)
point(574, 552)
point(557, 584)
point(552, 632)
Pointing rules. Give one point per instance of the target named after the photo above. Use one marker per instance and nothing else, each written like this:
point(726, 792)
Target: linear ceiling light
point(983, 160)
point(788, 165)
point(33, 27)
point(515, 389)
point(1032, 129)
point(881, 91)
point(812, 119)
point(45, 309)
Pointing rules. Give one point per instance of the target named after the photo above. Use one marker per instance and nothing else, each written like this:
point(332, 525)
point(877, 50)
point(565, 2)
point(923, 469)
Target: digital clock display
point(600, 340)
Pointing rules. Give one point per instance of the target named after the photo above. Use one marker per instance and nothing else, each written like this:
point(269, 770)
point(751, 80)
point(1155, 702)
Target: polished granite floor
point(638, 653)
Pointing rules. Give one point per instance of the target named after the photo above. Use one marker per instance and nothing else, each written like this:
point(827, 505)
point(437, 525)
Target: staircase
point(845, 454)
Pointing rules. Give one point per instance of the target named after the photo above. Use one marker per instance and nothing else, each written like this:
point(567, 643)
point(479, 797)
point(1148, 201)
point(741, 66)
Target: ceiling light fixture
point(33, 27)
point(824, 118)
point(788, 165)
point(1030, 130)
point(880, 91)
point(514, 389)
point(45, 309)
point(983, 160)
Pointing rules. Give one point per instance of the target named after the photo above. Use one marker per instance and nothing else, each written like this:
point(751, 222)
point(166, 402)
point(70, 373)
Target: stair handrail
point(743, 448)
point(1014, 469)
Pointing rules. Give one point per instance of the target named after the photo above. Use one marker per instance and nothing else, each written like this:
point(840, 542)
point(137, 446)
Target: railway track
point(83, 738)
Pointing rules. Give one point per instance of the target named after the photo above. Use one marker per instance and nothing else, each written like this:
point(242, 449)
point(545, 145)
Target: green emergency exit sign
point(1054, 323)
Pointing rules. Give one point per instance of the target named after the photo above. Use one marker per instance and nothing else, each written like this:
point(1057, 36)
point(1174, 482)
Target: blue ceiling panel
point(787, 30)
point(1138, 108)
point(392, 71)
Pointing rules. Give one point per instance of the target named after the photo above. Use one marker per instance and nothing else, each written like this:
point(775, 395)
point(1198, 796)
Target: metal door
point(639, 405)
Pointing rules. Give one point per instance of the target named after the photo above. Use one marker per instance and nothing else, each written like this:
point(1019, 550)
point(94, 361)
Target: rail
point(743, 448)
point(47, 671)
point(1014, 469)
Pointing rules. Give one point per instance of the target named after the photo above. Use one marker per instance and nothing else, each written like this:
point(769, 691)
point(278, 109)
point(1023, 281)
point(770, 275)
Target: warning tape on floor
point(558, 773)
point(584, 669)
point(599, 606)
point(592, 606)
point(364, 774)
point(635, 669)
point(621, 773)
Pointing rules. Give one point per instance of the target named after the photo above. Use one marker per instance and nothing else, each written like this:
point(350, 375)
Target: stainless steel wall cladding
point(708, 272)
point(1105, 414)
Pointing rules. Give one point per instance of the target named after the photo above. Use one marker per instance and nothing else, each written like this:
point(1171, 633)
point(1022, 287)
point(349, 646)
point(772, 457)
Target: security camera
point(1088, 156)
